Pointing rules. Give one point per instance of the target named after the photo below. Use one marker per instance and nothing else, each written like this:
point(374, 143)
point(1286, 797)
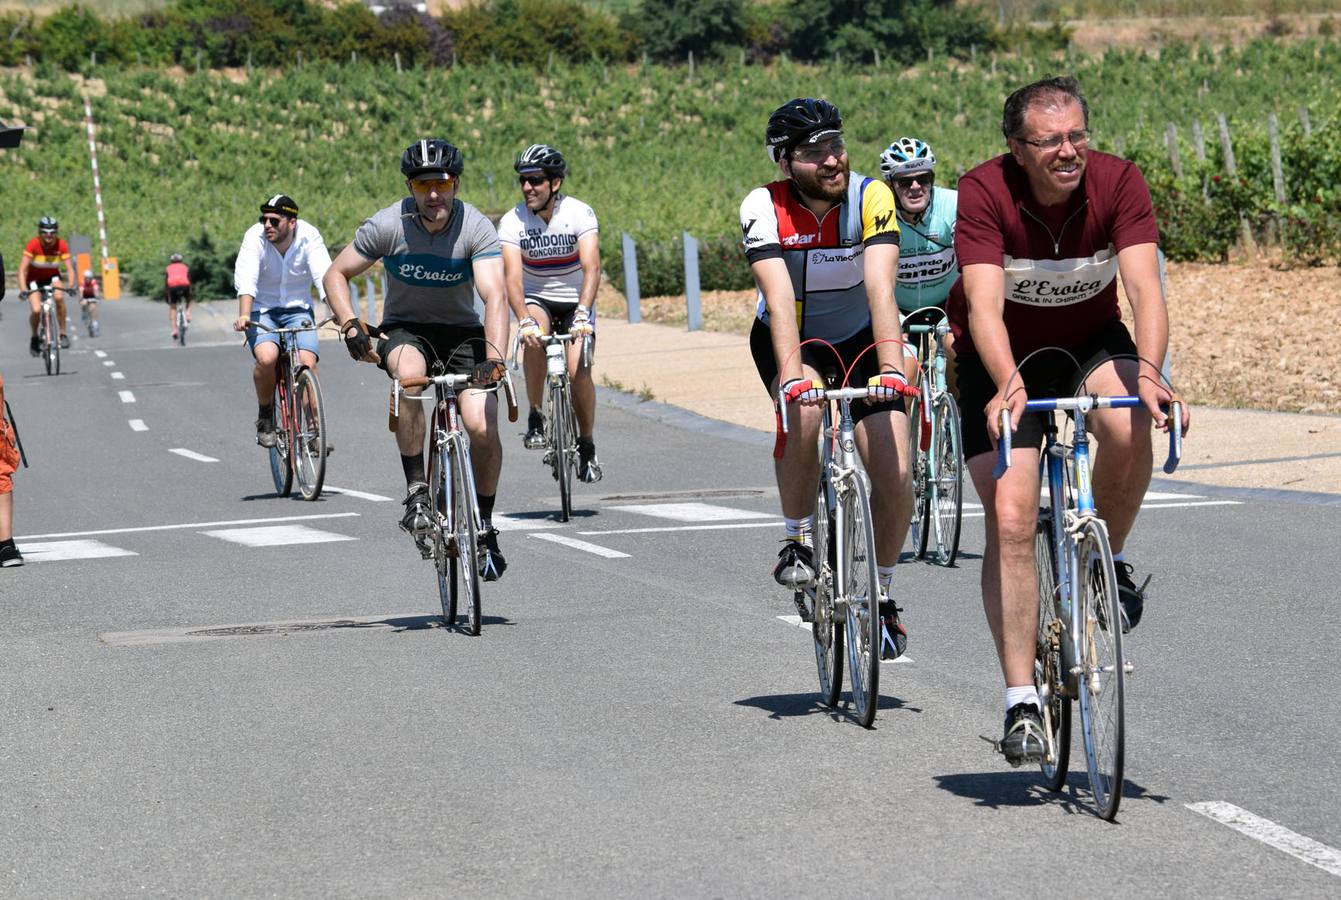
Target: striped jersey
point(551, 270)
point(42, 264)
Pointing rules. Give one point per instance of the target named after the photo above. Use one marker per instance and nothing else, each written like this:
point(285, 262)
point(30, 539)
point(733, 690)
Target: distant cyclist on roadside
point(280, 259)
point(435, 249)
point(90, 289)
point(1044, 232)
point(823, 244)
point(41, 265)
point(552, 267)
point(177, 289)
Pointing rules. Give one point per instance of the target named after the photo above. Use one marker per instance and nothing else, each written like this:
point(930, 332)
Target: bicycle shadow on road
point(549, 515)
point(788, 706)
point(1024, 788)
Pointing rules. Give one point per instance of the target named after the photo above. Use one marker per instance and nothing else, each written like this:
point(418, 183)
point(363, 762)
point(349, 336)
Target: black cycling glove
point(356, 339)
point(487, 372)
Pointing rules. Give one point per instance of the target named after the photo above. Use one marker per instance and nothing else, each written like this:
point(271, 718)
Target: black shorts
point(819, 358)
point(178, 294)
point(560, 314)
point(43, 280)
point(1049, 374)
point(457, 347)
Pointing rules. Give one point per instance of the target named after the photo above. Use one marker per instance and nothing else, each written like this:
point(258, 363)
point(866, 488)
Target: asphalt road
point(636, 718)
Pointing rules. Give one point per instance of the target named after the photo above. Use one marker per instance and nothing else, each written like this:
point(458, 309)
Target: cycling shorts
point(1049, 374)
point(458, 347)
point(9, 447)
point(178, 294)
point(560, 315)
point(43, 280)
point(282, 317)
point(822, 360)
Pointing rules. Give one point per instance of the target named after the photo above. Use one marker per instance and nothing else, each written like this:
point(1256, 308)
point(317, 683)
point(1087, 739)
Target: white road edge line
point(191, 454)
point(36, 537)
point(138, 425)
point(100, 353)
point(796, 620)
point(1268, 832)
point(126, 396)
point(362, 495)
point(580, 545)
point(117, 376)
point(773, 524)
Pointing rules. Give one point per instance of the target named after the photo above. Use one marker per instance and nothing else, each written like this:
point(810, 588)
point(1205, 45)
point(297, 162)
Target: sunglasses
point(818, 153)
point(273, 221)
point(910, 180)
point(532, 180)
point(431, 185)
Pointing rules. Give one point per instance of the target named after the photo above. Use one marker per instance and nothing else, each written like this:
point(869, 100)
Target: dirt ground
point(1242, 335)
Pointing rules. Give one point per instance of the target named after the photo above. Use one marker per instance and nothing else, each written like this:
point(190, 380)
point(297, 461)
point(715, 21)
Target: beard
point(811, 183)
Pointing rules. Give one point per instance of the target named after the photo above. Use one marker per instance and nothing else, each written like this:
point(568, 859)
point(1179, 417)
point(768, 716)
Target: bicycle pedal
point(803, 608)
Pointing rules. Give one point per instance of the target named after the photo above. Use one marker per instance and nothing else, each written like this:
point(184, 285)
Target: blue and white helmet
point(906, 156)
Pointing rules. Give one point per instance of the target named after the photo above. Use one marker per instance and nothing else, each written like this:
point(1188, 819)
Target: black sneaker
point(492, 563)
point(9, 554)
point(35, 345)
point(1130, 596)
point(535, 431)
point(415, 521)
point(588, 469)
point(65, 342)
point(796, 565)
point(1023, 738)
point(894, 639)
point(265, 432)
point(312, 446)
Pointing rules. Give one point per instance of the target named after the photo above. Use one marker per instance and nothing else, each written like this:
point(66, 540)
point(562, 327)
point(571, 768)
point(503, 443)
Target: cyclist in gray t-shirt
point(435, 250)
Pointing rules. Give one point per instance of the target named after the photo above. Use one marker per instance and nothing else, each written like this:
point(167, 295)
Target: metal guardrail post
point(695, 309)
point(631, 280)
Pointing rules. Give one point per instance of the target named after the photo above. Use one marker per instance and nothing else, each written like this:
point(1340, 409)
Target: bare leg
point(263, 374)
point(479, 412)
point(798, 470)
point(1124, 459)
point(584, 390)
point(885, 452)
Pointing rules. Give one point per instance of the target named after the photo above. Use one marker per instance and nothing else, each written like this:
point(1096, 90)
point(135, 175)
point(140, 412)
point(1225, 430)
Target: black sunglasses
point(532, 180)
point(910, 180)
point(270, 220)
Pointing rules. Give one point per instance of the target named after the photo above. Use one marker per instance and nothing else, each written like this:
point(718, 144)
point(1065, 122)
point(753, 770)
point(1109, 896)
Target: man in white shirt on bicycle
point(280, 259)
point(552, 266)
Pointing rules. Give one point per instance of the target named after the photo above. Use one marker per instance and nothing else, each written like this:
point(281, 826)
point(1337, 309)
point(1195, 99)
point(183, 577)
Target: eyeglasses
point(430, 185)
point(273, 221)
point(1077, 139)
point(818, 153)
point(532, 180)
point(51, 233)
point(909, 180)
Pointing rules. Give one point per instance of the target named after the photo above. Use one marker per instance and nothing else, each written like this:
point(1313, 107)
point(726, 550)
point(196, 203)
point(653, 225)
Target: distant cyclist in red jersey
point(41, 265)
point(177, 289)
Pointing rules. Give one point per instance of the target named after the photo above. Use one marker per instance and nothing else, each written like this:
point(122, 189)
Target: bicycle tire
point(947, 493)
point(861, 592)
point(827, 633)
point(440, 488)
point(1049, 675)
point(1101, 682)
point(181, 325)
point(466, 532)
point(918, 460)
point(309, 442)
point(281, 471)
point(560, 425)
point(51, 350)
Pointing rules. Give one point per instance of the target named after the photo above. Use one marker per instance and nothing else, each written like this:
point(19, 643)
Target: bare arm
point(349, 264)
point(589, 256)
point(985, 289)
point(23, 273)
point(489, 283)
point(780, 300)
point(1139, 268)
point(512, 277)
point(880, 262)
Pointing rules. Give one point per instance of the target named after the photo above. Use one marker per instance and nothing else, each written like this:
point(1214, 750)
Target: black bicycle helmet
point(541, 158)
point(48, 225)
point(431, 155)
point(804, 119)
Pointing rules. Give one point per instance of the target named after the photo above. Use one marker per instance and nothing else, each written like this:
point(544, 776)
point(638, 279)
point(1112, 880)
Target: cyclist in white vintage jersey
point(552, 266)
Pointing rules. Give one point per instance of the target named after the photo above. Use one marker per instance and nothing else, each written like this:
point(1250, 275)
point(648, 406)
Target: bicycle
point(1080, 654)
point(87, 310)
point(182, 322)
point(560, 421)
point(847, 584)
point(300, 419)
point(48, 330)
point(454, 519)
point(937, 450)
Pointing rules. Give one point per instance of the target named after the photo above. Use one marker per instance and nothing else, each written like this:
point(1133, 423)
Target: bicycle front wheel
point(561, 426)
point(1103, 673)
point(827, 632)
point(919, 461)
point(947, 498)
point(309, 439)
point(444, 560)
point(861, 592)
point(280, 469)
point(1049, 676)
point(466, 533)
point(181, 325)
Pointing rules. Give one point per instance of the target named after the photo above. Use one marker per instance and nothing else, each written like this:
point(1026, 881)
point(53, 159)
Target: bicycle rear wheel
point(560, 448)
point(181, 325)
point(1049, 676)
point(1103, 675)
point(440, 488)
point(919, 461)
point(861, 591)
point(466, 531)
point(947, 497)
point(309, 441)
point(280, 469)
point(828, 634)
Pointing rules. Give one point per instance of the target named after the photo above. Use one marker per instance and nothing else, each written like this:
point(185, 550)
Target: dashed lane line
point(1268, 832)
point(694, 512)
point(772, 523)
point(126, 396)
point(108, 362)
point(138, 425)
point(66, 550)
point(191, 454)
point(117, 376)
point(581, 545)
point(362, 495)
point(100, 353)
point(277, 535)
point(186, 525)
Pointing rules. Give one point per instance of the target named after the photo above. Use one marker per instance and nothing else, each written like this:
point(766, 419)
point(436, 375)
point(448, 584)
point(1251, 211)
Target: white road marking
point(582, 545)
point(694, 512)
point(1268, 832)
point(117, 376)
point(138, 425)
point(1149, 496)
point(770, 524)
point(517, 522)
point(980, 514)
point(54, 550)
point(191, 454)
point(186, 525)
point(108, 362)
point(361, 495)
point(100, 353)
point(796, 620)
point(126, 396)
point(277, 536)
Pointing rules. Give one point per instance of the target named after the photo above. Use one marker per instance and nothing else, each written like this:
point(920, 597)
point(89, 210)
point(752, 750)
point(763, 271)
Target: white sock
point(1117, 557)
point(886, 574)
point(1022, 694)
point(799, 529)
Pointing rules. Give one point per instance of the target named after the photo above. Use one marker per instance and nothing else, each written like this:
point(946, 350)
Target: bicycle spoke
point(1102, 677)
point(947, 490)
point(1049, 675)
point(309, 438)
point(862, 595)
point(828, 633)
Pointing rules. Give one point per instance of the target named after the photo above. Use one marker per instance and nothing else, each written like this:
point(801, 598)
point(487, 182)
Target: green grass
point(1036, 10)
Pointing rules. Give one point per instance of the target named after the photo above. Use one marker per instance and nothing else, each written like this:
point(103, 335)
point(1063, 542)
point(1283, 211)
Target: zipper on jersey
point(1056, 238)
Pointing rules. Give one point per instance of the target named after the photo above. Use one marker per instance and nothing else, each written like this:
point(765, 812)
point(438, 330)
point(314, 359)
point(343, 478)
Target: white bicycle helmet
point(906, 156)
